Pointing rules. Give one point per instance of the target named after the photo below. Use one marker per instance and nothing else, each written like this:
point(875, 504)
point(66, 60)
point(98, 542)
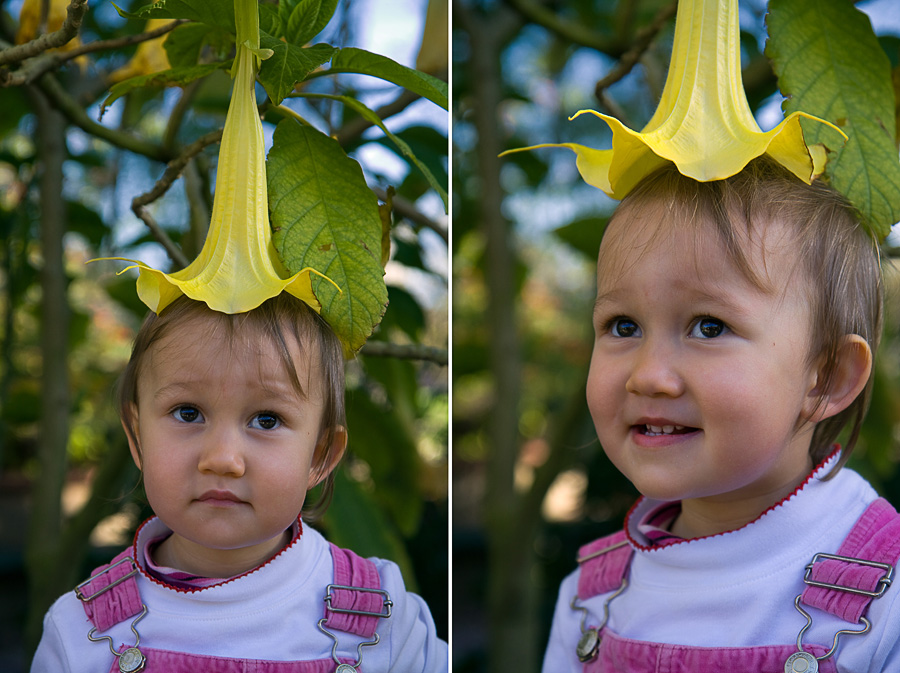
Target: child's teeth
point(663, 429)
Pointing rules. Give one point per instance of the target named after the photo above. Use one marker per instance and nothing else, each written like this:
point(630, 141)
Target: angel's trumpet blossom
point(703, 123)
point(238, 268)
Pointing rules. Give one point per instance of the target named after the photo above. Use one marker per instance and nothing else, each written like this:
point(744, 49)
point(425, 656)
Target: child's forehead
point(764, 253)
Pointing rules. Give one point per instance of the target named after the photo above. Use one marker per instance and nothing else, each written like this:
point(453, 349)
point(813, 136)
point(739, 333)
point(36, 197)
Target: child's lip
point(217, 496)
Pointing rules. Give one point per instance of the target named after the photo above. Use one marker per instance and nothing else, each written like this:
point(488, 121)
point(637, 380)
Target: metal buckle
point(84, 599)
point(883, 583)
point(386, 605)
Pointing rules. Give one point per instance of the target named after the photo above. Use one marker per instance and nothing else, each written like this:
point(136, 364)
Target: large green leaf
point(401, 144)
point(211, 12)
point(351, 59)
point(173, 77)
point(829, 63)
point(304, 19)
point(288, 65)
point(325, 217)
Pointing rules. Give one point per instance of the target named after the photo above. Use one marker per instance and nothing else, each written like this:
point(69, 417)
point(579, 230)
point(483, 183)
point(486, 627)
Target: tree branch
point(383, 349)
point(74, 15)
point(75, 113)
point(46, 62)
point(570, 31)
point(642, 41)
point(173, 170)
point(353, 129)
point(408, 210)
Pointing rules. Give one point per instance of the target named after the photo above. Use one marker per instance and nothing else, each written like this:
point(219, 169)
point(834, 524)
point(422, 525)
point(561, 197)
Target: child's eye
point(265, 421)
point(708, 328)
point(187, 414)
point(624, 327)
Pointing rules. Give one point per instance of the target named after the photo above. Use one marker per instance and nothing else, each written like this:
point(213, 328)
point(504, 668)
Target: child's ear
point(132, 438)
point(327, 454)
point(851, 373)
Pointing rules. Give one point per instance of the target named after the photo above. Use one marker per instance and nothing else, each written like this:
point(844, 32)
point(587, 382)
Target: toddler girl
point(735, 324)
point(232, 419)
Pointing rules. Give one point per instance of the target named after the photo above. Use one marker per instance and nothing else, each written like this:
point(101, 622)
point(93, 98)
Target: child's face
point(226, 441)
point(699, 382)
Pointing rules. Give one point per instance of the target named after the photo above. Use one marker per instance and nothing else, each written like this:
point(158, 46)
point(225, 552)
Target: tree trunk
point(43, 553)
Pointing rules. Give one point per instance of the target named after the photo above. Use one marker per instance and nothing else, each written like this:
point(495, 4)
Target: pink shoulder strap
point(604, 564)
point(844, 584)
point(111, 594)
point(355, 602)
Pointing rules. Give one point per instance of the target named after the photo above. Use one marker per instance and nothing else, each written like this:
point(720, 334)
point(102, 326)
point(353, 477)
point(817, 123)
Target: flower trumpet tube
point(703, 123)
point(238, 267)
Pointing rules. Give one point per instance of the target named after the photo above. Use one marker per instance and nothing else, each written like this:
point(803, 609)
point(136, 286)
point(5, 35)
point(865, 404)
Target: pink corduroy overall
point(874, 539)
point(353, 604)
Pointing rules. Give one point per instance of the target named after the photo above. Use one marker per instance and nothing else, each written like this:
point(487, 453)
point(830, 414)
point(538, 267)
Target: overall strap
point(604, 565)
point(846, 586)
point(111, 594)
point(356, 601)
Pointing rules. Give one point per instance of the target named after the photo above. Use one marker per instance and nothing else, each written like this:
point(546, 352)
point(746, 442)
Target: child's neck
point(182, 554)
point(702, 517)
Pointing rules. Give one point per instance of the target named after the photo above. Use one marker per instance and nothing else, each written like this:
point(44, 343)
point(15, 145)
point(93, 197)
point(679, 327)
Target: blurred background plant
point(77, 184)
point(530, 481)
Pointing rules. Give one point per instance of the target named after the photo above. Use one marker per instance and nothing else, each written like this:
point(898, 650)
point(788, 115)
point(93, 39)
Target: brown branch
point(643, 39)
point(353, 129)
point(407, 209)
point(74, 15)
point(384, 349)
point(570, 31)
point(75, 113)
point(172, 172)
point(46, 62)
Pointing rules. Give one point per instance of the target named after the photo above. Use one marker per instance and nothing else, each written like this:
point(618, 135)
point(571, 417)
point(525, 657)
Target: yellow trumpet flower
point(238, 268)
point(150, 56)
point(703, 123)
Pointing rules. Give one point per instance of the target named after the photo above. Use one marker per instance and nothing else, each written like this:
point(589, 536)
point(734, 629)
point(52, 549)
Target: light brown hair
point(276, 321)
point(839, 258)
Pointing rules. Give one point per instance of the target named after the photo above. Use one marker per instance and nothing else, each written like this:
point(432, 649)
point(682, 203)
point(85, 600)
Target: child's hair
point(276, 321)
point(840, 259)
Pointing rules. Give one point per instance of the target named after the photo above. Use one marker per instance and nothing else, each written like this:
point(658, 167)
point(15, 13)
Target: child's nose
point(654, 372)
point(221, 453)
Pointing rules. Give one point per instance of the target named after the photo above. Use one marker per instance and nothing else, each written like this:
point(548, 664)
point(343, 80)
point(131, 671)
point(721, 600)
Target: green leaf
point(584, 235)
point(324, 216)
point(304, 19)
point(184, 44)
point(211, 12)
point(829, 64)
point(354, 520)
point(172, 77)
point(288, 65)
point(351, 59)
point(369, 115)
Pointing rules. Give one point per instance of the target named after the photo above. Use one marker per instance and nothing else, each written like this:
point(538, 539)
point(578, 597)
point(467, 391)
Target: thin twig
point(570, 31)
point(172, 172)
point(383, 349)
point(46, 62)
point(74, 15)
point(643, 39)
point(408, 210)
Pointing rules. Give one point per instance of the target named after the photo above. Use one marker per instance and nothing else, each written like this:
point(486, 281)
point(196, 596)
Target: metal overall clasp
point(804, 662)
point(589, 643)
point(132, 659)
point(384, 613)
